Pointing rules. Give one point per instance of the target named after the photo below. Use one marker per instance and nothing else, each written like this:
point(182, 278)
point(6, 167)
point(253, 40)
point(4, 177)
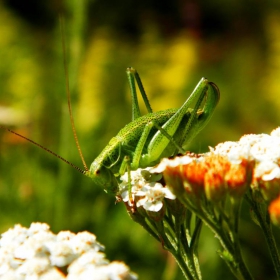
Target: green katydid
point(148, 138)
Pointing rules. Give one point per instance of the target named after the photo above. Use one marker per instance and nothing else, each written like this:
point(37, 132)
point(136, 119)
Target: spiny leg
point(143, 140)
point(135, 106)
point(142, 91)
point(162, 130)
point(164, 136)
point(128, 165)
point(193, 116)
point(159, 142)
point(140, 145)
point(212, 99)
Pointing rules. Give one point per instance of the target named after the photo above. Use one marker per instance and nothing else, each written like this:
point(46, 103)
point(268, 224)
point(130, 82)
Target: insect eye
point(97, 172)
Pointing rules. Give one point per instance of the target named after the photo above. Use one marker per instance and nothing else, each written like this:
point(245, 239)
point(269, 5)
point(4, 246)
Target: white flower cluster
point(36, 253)
point(145, 190)
point(180, 160)
point(263, 149)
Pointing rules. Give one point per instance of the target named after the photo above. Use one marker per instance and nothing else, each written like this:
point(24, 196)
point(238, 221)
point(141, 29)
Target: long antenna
point(62, 28)
point(84, 172)
point(46, 149)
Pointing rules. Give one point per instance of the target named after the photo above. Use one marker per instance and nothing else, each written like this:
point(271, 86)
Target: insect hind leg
point(165, 133)
point(132, 75)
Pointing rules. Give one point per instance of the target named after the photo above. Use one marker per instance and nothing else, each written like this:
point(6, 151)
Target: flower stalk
point(174, 199)
point(263, 219)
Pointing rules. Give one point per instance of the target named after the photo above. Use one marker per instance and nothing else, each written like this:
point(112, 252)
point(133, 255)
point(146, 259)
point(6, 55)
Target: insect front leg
point(127, 165)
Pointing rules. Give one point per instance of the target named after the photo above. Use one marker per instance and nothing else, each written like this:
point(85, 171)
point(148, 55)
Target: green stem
point(179, 248)
point(182, 264)
point(270, 240)
point(236, 207)
point(265, 224)
point(231, 247)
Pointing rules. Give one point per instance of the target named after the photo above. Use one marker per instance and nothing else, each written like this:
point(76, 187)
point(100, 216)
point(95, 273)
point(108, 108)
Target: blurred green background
point(172, 44)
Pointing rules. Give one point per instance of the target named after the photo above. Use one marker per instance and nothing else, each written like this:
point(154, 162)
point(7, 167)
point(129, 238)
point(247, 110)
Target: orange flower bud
point(214, 185)
point(274, 211)
point(267, 178)
point(173, 180)
point(193, 177)
point(238, 178)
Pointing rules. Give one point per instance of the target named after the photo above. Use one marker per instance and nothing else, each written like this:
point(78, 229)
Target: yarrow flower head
point(38, 253)
point(252, 161)
point(173, 199)
point(209, 175)
point(229, 168)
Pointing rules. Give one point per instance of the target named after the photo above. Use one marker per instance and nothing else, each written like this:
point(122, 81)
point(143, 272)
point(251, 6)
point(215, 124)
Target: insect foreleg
point(127, 162)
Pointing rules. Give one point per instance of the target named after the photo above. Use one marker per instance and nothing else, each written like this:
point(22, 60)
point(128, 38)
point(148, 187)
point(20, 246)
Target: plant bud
point(274, 211)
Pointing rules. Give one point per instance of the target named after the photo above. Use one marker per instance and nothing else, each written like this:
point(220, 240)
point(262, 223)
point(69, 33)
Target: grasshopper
point(146, 139)
point(149, 138)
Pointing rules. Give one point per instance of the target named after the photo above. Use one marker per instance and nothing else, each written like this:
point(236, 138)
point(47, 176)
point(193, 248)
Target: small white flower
point(93, 257)
point(52, 274)
point(137, 183)
point(88, 259)
point(112, 271)
point(267, 170)
point(65, 235)
point(252, 147)
point(154, 193)
point(276, 132)
point(135, 177)
point(85, 241)
point(129, 195)
point(27, 250)
point(61, 253)
point(118, 270)
point(171, 163)
point(34, 267)
point(268, 148)
point(38, 227)
point(14, 236)
point(233, 151)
